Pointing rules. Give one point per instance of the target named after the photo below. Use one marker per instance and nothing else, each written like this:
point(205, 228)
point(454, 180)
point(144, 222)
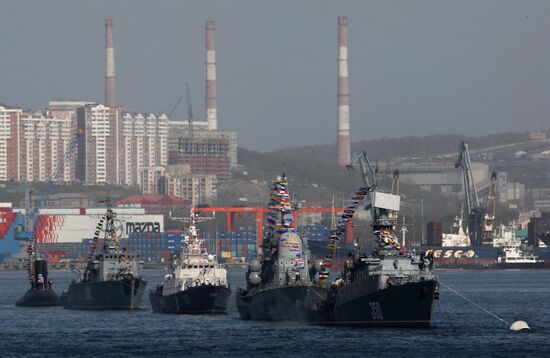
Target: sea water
point(459, 328)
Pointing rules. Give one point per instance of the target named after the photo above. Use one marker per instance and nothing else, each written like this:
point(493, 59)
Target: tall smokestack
point(110, 98)
point(211, 99)
point(343, 142)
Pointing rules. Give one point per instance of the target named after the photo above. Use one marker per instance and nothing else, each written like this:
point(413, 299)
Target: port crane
point(66, 157)
point(473, 206)
point(383, 206)
point(189, 110)
point(32, 210)
point(490, 211)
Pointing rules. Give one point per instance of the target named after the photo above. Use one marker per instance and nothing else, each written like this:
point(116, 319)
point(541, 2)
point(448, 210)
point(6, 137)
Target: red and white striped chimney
point(211, 99)
point(110, 98)
point(343, 141)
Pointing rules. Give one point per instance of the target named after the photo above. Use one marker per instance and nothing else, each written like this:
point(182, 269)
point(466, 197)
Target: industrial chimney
point(343, 141)
point(110, 98)
point(211, 99)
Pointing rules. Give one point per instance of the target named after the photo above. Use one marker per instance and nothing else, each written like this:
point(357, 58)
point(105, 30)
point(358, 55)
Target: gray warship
point(388, 287)
point(280, 286)
point(111, 280)
point(40, 293)
point(195, 283)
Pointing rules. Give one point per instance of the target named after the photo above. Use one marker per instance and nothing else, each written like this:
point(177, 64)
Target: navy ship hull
point(124, 294)
point(288, 303)
point(194, 300)
point(39, 298)
point(406, 305)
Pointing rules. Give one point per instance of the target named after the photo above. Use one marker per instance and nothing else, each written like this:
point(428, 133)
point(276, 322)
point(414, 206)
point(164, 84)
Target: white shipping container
point(74, 228)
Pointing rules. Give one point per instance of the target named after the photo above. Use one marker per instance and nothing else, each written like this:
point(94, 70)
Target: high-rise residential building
point(9, 143)
point(153, 180)
point(143, 143)
point(199, 188)
point(117, 145)
point(177, 180)
point(98, 159)
point(43, 142)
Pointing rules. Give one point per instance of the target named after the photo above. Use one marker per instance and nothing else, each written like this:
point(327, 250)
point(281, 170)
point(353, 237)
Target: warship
point(388, 287)
point(40, 294)
point(282, 284)
point(195, 283)
point(110, 280)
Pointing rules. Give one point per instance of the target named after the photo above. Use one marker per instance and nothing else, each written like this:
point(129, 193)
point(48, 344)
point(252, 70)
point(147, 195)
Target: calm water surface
point(460, 329)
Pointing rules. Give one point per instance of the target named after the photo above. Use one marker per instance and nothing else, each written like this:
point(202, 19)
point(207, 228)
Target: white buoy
point(519, 326)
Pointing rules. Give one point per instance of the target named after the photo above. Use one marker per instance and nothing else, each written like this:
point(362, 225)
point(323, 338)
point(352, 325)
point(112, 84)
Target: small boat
point(517, 257)
point(195, 284)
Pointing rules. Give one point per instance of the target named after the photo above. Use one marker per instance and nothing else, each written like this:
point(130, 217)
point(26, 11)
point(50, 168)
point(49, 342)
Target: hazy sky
point(416, 67)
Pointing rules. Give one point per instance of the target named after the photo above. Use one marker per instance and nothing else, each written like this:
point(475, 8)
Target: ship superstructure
point(111, 279)
point(458, 237)
point(195, 281)
point(282, 284)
